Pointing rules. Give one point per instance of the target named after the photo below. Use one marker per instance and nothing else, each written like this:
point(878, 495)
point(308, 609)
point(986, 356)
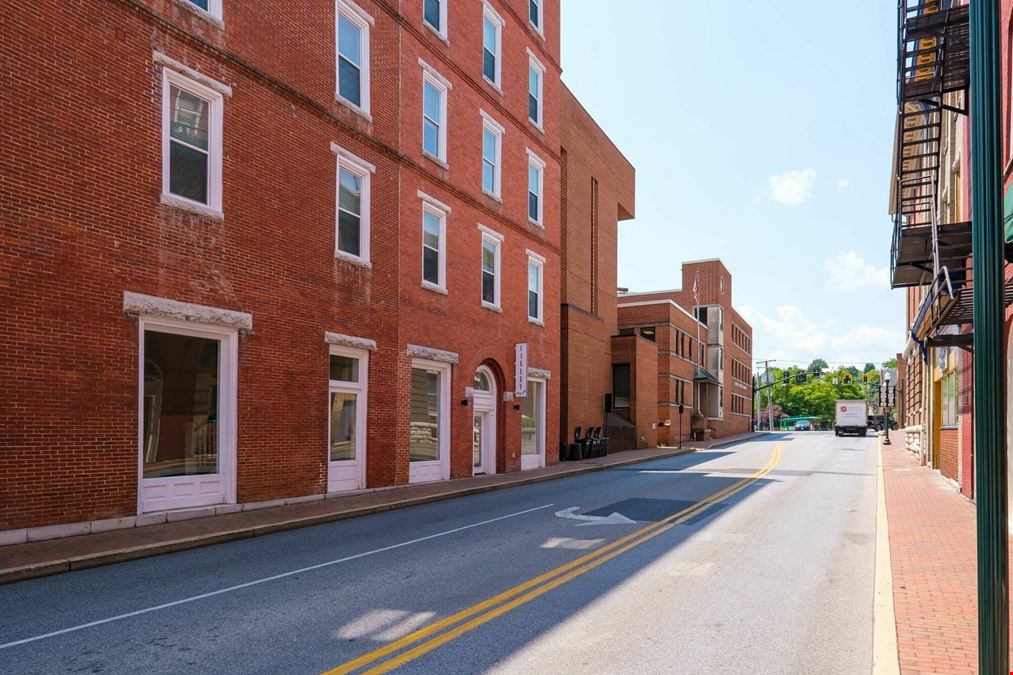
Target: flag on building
point(696, 288)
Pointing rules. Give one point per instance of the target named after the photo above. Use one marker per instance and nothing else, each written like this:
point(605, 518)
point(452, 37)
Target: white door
point(346, 439)
point(429, 422)
point(186, 415)
point(484, 422)
point(533, 426)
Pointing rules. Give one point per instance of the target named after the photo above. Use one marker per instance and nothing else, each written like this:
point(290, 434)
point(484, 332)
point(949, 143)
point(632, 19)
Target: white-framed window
point(492, 152)
point(492, 44)
point(536, 78)
point(536, 15)
point(536, 182)
point(434, 15)
point(491, 266)
point(429, 421)
point(536, 274)
point(351, 235)
point(213, 8)
point(948, 399)
point(434, 244)
point(191, 143)
point(434, 112)
point(347, 400)
point(352, 37)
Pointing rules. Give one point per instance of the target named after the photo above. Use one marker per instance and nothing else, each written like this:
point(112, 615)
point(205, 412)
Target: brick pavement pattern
point(932, 551)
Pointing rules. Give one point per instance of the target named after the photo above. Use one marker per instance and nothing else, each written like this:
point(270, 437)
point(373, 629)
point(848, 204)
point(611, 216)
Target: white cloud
point(843, 183)
point(792, 187)
point(866, 343)
point(793, 335)
point(848, 272)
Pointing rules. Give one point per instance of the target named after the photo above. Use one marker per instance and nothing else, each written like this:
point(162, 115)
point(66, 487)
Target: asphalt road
point(753, 558)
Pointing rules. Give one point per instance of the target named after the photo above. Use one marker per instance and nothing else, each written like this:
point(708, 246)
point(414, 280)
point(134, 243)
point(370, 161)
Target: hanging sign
point(521, 370)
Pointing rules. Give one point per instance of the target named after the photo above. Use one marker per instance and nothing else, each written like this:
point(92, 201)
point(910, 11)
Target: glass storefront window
point(343, 425)
point(425, 417)
point(181, 375)
point(531, 409)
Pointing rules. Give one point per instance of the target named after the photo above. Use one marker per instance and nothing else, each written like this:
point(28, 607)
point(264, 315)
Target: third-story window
point(535, 13)
point(535, 285)
point(192, 141)
point(535, 77)
point(434, 113)
point(492, 41)
point(490, 252)
point(434, 12)
point(353, 55)
point(536, 169)
point(492, 144)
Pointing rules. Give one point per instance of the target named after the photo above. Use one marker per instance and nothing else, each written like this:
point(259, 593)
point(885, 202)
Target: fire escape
point(932, 62)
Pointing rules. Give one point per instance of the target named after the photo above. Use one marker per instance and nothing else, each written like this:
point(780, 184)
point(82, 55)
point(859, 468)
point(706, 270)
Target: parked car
point(876, 422)
point(803, 425)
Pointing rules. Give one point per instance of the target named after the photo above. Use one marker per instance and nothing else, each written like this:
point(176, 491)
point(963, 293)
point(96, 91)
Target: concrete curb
point(885, 656)
point(33, 571)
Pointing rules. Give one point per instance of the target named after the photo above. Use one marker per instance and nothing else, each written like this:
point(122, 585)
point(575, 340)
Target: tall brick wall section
point(948, 452)
point(599, 192)
point(81, 222)
point(642, 355)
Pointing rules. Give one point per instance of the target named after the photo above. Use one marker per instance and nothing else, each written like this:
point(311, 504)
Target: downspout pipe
point(989, 371)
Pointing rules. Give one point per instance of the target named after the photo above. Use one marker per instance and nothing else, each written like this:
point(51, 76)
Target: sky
point(761, 134)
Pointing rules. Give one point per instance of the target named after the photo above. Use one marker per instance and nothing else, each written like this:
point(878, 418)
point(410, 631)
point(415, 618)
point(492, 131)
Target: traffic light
point(787, 378)
point(800, 378)
point(847, 379)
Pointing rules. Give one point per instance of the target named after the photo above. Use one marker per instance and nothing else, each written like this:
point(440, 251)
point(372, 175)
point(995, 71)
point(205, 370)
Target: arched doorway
point(483, 444)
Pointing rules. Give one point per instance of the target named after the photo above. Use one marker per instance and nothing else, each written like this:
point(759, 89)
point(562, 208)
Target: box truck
point(851, 417)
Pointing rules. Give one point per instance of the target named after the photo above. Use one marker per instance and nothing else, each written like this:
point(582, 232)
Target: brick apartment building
point(703, 351)
point(262, 254)
point(598, 191)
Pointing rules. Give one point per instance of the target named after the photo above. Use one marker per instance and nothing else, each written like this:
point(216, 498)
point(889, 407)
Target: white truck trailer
point(851, 417)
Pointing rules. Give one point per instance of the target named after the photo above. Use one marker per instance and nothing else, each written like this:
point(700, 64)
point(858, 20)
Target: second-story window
point(434, 113)
point(536, 72)
point(536, 171)
point(212, 7)
point(492, 144)
point(434, 13)
point(492, 43)
point(192, 142)
point(353, 55)
point(352, 226)
point(536, 265)
point(434, 247)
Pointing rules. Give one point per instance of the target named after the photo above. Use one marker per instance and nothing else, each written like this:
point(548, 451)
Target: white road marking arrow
point(613, 519)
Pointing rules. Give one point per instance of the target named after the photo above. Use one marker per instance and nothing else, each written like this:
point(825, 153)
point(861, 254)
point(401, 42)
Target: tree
point(868, 367)
point(818, 366)
point(854, 372)
point(890, 363)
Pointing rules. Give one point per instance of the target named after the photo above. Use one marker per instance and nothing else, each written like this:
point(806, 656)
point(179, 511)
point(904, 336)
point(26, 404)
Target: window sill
point(430, 286)
point(492, 84)
point(536, 322)
point(537, 29)
point(201, 13)
point(536, 223)
point(197, 208)
point(536, 125)
point(491, 195)
point(353, 259)
point(433, 158)
point(364, 114)
point(441, 36)
point(491, 307)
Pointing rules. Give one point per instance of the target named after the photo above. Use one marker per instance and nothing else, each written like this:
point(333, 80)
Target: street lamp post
point(884, 398)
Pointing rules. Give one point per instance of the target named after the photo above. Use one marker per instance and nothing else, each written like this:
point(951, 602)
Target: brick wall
point(81, 222)
point(948, 453)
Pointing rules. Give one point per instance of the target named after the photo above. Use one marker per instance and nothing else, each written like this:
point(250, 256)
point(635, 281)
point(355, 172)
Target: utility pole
point(770, 394)
point(989, 369)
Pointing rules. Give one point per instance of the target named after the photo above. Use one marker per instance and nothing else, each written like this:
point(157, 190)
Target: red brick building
point(597, 192)
point(704, 350)
point(262, 254)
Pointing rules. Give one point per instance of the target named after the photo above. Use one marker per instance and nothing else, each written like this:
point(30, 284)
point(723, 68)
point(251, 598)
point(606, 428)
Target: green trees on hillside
point(815, 397)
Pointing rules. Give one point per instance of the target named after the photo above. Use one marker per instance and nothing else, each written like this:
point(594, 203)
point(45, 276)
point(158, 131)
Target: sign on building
point(521, 370)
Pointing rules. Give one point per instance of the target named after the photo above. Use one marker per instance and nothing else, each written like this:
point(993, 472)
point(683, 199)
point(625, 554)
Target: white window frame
point(441, 211)
point(442, 85)
point(360, 389)
point(534, 161)
point(540, 28)
point(488, 12)
point(360, 167)
point(539, 262)
point(495, 238)
point(425, 472)
point(536, 65)
point(442, 30)
point(494, 127)
point(228, 399)
point(364, 21)
point(213, 13)
point(215, 100)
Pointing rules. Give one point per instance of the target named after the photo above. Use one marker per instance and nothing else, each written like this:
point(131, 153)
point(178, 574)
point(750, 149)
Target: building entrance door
point(483, 446)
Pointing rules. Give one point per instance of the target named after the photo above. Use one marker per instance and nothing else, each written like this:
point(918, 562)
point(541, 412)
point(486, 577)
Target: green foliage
point(818, 365)
point(868, 367)
point(854, 372)
point(816, 396)
point(890, 363)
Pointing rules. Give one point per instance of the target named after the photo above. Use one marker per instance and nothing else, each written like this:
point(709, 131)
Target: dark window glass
point(648, 333)
point(489, 64)
point(203, 4)
point(188, 173)
point(431, 13)
point(488, 288)
point(533, 304)
point(348, 82)
point(348, 233)
point(350, 61)
point(621, 385)
point(533, 12)
point(431, 265)
point(532, 206)
point(533, 108)
point(180, 405)
point(344, 368)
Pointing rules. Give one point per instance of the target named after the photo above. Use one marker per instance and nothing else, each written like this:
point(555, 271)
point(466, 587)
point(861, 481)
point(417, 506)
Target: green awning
point(701, 374)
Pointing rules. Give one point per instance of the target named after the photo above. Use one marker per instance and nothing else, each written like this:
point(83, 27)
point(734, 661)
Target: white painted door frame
point(345, 475)
point(176, 492)
point(426, 472)
point(537, 460)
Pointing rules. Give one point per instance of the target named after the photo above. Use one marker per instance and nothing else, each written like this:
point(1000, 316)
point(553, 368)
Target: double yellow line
point(529, 590)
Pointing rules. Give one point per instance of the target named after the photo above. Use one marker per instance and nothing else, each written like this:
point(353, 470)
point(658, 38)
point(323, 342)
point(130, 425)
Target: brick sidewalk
point(932, 551)
point(42, 558)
